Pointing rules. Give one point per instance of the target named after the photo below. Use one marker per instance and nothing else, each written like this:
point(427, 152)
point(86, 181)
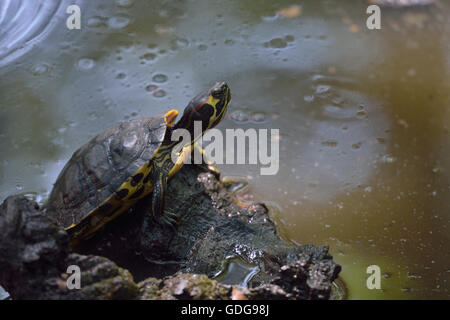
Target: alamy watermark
point(74, 20)
point(74, 280)
point(239, 146)
point(374, 280)
point(374, 20)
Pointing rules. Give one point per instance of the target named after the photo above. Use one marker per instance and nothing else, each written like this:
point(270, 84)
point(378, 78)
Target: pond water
point(363, 115)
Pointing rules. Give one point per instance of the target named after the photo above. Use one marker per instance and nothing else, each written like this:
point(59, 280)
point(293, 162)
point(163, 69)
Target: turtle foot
point(167, 219)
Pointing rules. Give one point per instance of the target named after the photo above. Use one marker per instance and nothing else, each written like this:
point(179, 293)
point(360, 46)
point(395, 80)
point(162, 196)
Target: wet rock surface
point(35, 254)
point(169, 263)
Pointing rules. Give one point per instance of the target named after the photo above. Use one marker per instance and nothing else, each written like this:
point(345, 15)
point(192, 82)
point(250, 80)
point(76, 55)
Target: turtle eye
point(217, 92)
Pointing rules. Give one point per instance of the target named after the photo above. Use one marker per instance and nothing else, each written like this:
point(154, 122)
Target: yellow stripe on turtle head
point(212, 101)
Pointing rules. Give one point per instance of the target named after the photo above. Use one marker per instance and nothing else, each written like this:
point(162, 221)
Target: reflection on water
point(363, 115)
point(236, 271)
point(23, 23)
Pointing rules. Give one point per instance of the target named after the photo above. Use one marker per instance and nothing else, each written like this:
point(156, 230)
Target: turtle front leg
point(161, 215)
point(206, 164)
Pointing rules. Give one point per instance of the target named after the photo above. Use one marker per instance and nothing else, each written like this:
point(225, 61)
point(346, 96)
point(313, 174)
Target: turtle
point(128, 162)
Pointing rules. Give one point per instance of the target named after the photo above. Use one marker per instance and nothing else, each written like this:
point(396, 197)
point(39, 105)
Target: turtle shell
point(98, 169)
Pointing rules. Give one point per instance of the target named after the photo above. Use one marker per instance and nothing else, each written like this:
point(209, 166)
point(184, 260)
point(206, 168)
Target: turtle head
point(208, 108)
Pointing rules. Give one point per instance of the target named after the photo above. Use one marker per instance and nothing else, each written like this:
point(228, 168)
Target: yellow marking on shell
point(70, 227)
point(97, 218)
point(170, 117)
point(126, 203)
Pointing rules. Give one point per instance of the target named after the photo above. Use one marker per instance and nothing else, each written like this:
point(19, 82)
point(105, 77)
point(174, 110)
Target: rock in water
point(35, 253)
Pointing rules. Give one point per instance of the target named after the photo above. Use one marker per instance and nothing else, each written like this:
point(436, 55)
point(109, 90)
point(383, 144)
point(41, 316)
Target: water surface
point(363, 114)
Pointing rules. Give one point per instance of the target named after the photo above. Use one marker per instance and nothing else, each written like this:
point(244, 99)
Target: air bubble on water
point(270, 18)
point(160, 29)
point(361, 114)
point(95, 22)
point(85, 63)
point(151, 87)
point(277, 43)
point(289, 38)
point(39, 69)
point(258, 117)
point(321, 89)
point(159, 93)
point(93, 115)
point(124, 3)
point(436, 169)
point(239, 116)
point(182, 42)
point(329, 143)
point(387, 159)
point(337, 112)
point(126, 46)
point(308, 98)
point(118, 22)
point(121, 75)
point(229, 42)
point(179, 43)
point(338, 101)
point(148, 57)
point(159, 78)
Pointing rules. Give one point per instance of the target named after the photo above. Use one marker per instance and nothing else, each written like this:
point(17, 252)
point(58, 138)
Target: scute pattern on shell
point(98, 168)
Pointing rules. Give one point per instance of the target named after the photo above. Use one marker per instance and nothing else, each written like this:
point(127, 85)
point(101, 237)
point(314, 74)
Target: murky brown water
point(363, 115)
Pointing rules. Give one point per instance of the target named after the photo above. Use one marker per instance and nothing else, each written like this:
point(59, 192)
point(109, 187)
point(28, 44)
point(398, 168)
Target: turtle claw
point(215, 171)
point(168, 218)
point(210, 168)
